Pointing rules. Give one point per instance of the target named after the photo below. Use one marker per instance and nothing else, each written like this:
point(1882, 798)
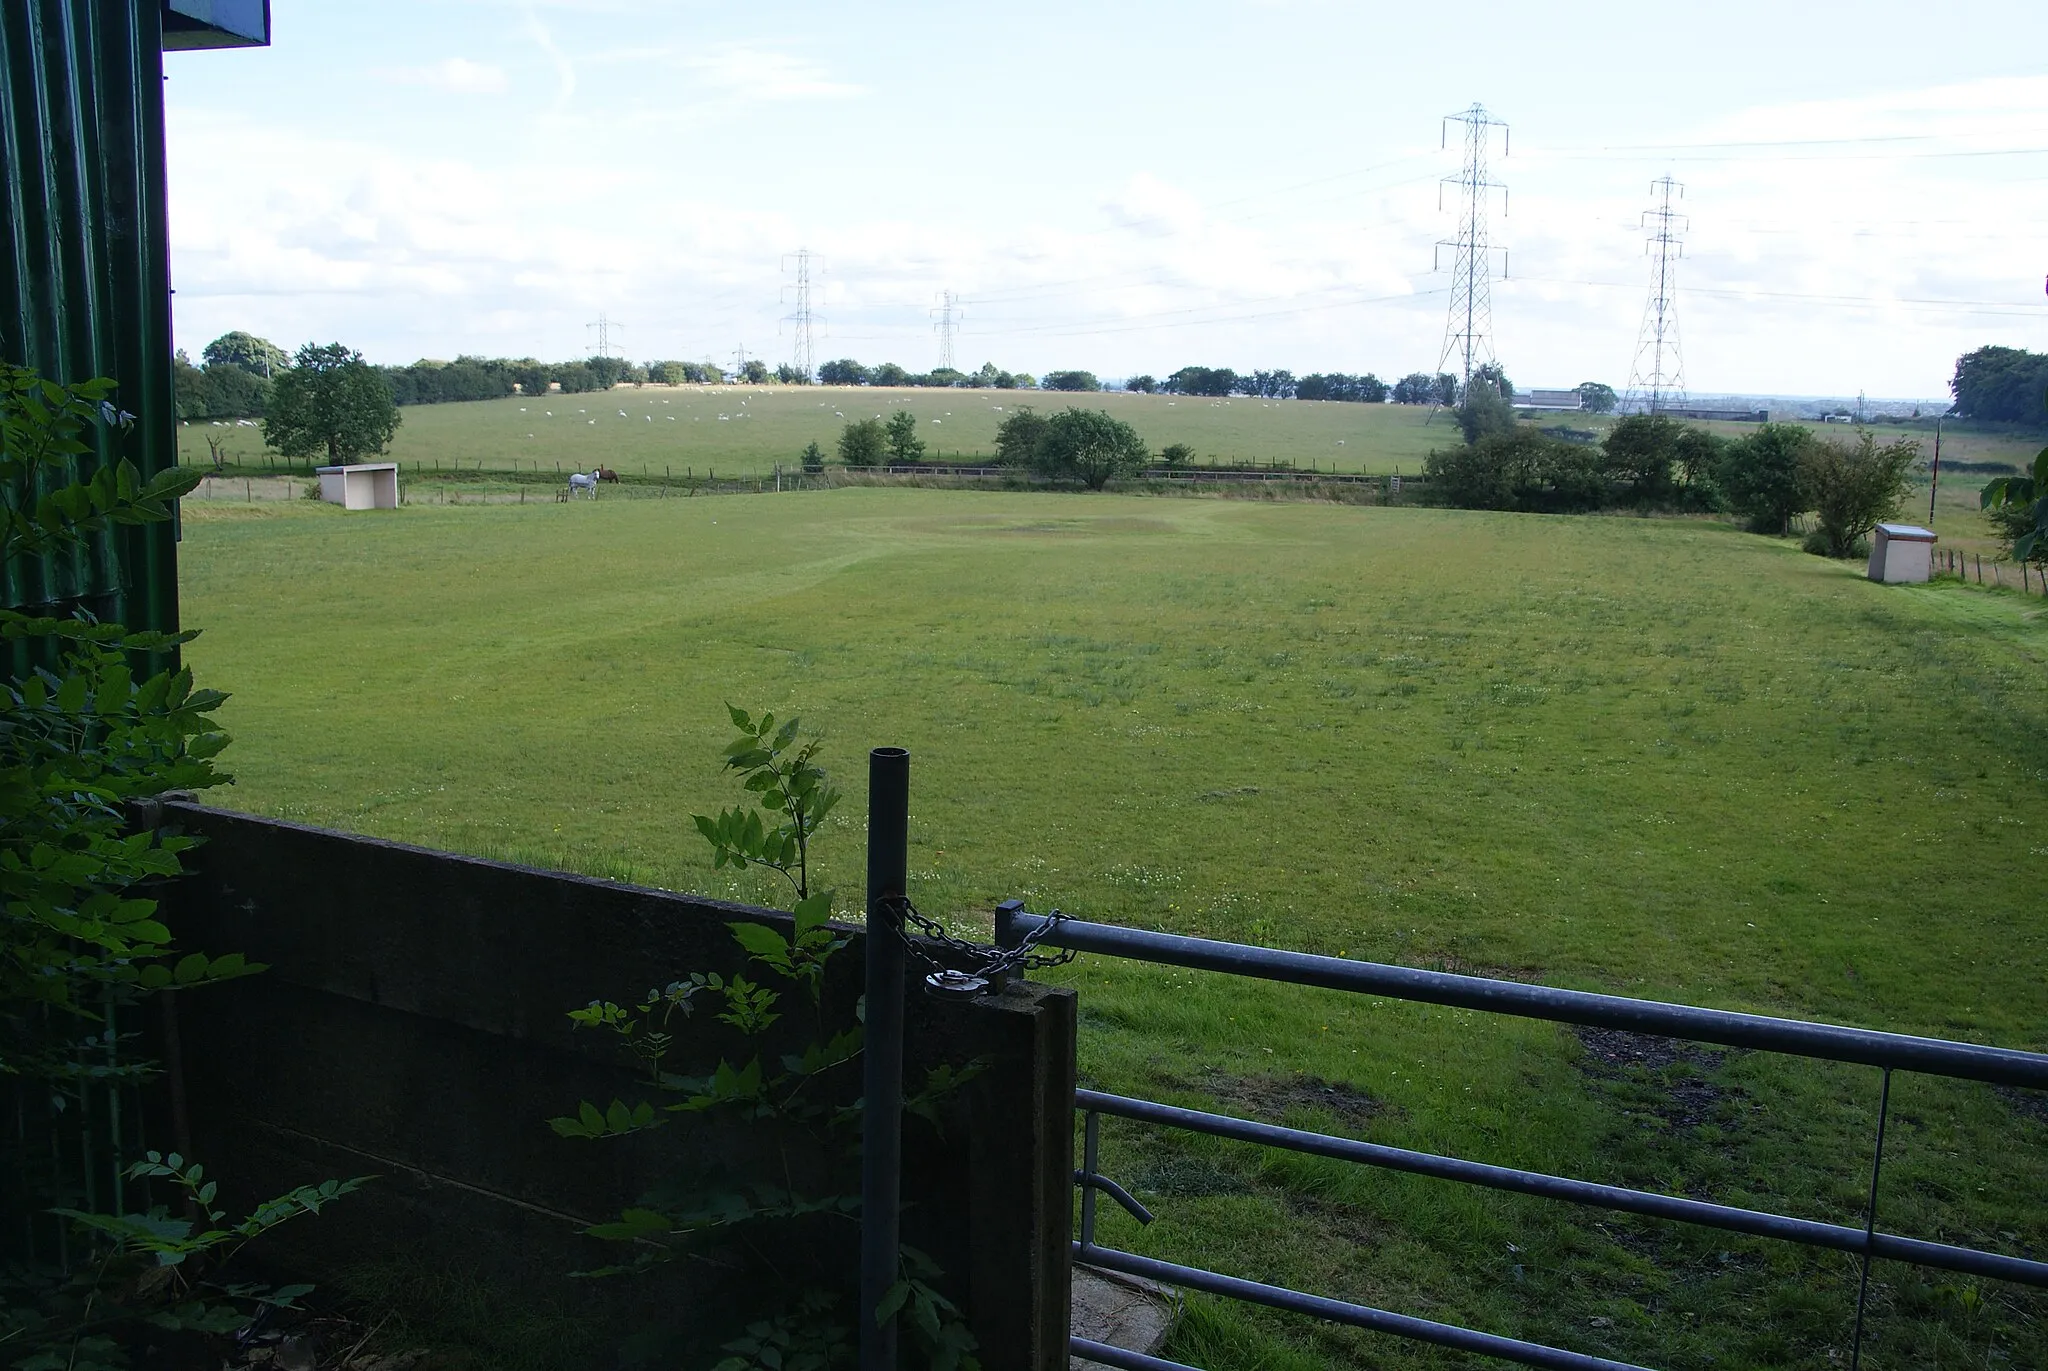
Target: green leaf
point(739, 717)
point(886, 1308)
point(761, 941)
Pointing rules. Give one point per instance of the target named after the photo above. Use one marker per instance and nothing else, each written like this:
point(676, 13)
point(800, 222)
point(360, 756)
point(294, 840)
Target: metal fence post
point(881, 1180)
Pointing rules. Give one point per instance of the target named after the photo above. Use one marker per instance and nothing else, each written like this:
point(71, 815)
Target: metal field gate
point(1868, 1242)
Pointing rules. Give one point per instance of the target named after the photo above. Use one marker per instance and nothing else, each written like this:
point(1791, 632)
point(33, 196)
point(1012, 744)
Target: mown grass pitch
point(1655, 757)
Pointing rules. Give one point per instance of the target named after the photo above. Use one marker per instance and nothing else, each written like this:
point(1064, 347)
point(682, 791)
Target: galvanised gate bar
point(1888, 1052)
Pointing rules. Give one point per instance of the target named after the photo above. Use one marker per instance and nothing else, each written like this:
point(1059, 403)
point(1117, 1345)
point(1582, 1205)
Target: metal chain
point(987, 962)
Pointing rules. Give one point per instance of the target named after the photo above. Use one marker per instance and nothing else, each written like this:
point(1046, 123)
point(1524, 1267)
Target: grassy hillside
point(738, 430)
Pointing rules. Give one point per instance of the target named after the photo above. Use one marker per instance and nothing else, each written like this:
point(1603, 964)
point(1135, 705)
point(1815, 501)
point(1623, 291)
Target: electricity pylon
point(802, 318)
point(604, 325)
point(948, 312)
point(1468, 328)
point(1656, 377)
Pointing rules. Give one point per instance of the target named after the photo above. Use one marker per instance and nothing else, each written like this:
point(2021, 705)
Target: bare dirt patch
point(1272, 1098)
point(1666, 1077)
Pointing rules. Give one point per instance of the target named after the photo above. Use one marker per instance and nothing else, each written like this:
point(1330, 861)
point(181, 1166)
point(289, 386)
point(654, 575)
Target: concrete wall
point(412, 1025)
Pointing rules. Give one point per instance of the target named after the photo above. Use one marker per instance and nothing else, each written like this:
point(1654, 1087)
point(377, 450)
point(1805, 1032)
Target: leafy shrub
point(1641, 452)
point(2018, 508)
point(1017, 437)
point(1089, 446)
point(800, 1094)
point(862, 443)
point(81, 737)
point(905, 447)
point(1176, 455)
point(1852, 487)
point(1519, 470)
point(1485, 413)
point(1759, 476)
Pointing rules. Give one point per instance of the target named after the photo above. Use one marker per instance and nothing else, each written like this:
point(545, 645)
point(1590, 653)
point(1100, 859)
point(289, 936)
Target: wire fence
point(1971, 566)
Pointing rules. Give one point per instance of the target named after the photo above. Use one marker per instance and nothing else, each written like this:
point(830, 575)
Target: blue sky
point(1120, 187)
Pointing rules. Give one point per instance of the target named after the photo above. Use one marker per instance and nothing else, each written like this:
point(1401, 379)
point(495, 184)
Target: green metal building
point(85, 285)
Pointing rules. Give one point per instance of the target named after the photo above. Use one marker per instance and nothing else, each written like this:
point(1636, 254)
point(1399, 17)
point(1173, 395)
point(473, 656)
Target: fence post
point(881, 1180)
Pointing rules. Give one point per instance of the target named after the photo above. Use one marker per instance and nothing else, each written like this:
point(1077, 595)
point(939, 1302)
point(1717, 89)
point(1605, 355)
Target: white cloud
point(765, 74)
point(456, 75)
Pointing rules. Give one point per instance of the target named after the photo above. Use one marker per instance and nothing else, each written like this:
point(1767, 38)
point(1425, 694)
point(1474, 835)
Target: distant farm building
point(1733, 416)
point(1551, 401)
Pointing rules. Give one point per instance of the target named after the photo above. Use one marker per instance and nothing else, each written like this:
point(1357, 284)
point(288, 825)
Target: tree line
point(2002, 385)
point(1086, 446)
point(1768, 477)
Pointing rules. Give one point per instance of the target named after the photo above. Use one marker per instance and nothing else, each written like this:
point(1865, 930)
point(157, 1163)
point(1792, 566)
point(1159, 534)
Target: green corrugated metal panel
point(84, 262)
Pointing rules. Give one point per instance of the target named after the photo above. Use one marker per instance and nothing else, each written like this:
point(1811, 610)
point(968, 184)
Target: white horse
point(583, 481)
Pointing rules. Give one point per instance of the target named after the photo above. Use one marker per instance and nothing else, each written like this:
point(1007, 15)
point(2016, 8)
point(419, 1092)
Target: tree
point(905, 447)
point(888, 374)
point(862, 443)
point(1416, 388)
point(1211, 381)
point(1759, 476)
point(1596, 398)
point(1017, 437)
point(1850, 488)
point(606, 371)
point(1088, 446)
point(1697, 454)
point(790, 376)
point(332, 401)
point(1641, 451)
point(257, 356)
point(532, 377)
point(812, 457)
point(1070, 380)
point(1446, 389)
point(1176, 454)
point(843, 372)
point(1143, 384)
point(224, 391)
point(1493, 378)
point(1268, 385)
point(1521, 469)
point(991, 378)
point(575, 378)
point(754, 372)
point(2009, 385)
point(1484, 413)
point(1367, 389)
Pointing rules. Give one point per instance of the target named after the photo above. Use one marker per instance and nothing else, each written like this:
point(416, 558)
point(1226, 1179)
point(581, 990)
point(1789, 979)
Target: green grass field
point(740, 430)
point(1656, 757)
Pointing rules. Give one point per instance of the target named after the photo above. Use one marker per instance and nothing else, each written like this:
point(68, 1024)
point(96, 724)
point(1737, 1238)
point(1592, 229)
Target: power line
point(604, 325)
point(806, 357)
point(948, 321)
point(1663, 379)
point(1468, 327)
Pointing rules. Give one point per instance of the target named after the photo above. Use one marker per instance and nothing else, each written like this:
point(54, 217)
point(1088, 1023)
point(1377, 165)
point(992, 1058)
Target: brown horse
point(606, 474)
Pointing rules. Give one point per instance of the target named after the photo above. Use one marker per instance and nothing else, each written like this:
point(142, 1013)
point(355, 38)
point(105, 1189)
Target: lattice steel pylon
point(802, 318)
point(1656, 378)
point(947, 323)
point(604, 324)
point(1468, 327)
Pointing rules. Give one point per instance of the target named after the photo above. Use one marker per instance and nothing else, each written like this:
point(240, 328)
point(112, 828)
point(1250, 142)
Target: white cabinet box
point(1901, 552)
point(371, 485)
